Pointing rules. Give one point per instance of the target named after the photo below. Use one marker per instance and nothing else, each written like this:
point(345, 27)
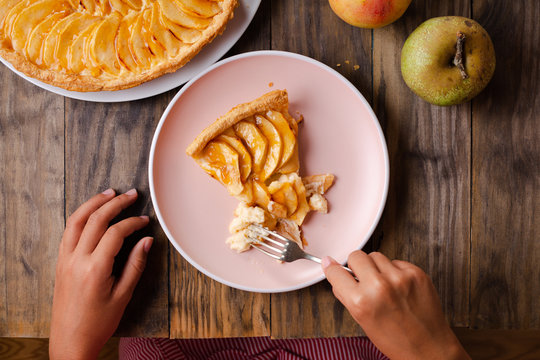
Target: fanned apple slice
point(255, 141)
point(11, 15)
point(161, 33)
point(202, 8)
point(123, 53)
point(30, 17)
point(89, 5)
point(303, 206)
point(173, 12)
point(135, 4)
point(221, 161)
point(120, 6)
point(293, 165)
point(34, 43)
point(5, 8)
point(137, 44)
point(157, 50)
point(100, 47)
point(274, 142)
point(244, 157)
point(284, 193)
point(287, 135)
point(76, 53)
point(246, 195)
point(260, 195)
point(50, 44)
point(69, 34)
point(187, 36)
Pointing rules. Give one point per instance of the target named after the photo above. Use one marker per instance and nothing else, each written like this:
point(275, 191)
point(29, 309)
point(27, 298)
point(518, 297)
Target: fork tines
point(261, 232)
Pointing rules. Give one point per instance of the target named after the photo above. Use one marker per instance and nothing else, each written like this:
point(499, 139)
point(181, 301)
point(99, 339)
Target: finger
point(99, 221)
point(133, 269)
point(112, 241)
point(383, 263)
point(402, 265)
point(76, 222)
point(362, 265)
point(341, 280)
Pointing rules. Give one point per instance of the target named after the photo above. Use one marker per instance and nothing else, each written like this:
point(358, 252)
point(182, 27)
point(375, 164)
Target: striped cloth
point(255, 348)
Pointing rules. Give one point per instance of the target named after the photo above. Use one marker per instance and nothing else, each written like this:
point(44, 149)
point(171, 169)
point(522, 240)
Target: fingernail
point(144, 217)
point(131, 192)
point(109, 191)
point(326, 261)
point(148, 244)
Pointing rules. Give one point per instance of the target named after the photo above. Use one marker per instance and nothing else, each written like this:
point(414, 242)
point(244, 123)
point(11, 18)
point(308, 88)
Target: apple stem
point(458, 59)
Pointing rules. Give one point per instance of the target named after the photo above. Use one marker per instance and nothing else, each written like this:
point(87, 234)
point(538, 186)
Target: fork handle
point(318, 260)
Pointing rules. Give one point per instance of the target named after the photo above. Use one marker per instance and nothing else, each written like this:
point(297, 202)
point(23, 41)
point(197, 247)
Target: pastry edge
point(275, 100)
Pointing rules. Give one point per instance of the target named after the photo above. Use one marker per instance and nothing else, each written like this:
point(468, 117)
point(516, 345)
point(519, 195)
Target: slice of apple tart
point(92, 45)
point(253, 151)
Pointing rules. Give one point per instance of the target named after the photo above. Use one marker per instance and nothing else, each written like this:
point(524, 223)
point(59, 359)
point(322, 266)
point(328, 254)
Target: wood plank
point(38, 349)
point(505, 276)
point(500, 344)
point(426, 220)
point(312, 29)
point(107, 145)
point(31, 203)
point(199, 306)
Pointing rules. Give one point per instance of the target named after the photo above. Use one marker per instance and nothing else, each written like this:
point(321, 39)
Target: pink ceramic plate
point(340, 135)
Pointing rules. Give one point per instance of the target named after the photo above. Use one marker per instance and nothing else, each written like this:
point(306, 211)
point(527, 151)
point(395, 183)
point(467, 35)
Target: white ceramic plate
point(340, 135)
point(243, 15)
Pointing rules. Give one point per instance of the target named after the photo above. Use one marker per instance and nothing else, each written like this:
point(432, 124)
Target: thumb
point(342, 282)
point(134, 267)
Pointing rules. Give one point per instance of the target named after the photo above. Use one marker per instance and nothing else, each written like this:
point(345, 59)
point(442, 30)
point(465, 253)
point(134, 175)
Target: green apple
point(448, 60)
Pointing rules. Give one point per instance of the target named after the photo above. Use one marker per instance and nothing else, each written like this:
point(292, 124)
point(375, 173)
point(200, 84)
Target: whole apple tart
point(93, 45)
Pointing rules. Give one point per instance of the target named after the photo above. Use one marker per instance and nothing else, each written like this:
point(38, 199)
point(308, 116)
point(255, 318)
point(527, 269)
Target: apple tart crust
point(253, 151)
point(94, 45)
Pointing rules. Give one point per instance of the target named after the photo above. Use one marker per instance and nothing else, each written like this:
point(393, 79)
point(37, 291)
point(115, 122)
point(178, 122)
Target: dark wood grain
point(38, 349)
point(311, 28)
point(31, 203)
point(107, 145)
point(200, 306)
point(427, 215)
point(505, 271)
point(500, 344)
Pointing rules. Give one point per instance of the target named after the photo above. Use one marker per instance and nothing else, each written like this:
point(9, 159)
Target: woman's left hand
point(88, 300)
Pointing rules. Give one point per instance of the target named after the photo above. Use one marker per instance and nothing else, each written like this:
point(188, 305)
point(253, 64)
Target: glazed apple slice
point(255, 141)
point(284, 193)
point(202, 8)
point(134, 4)
point(11, 15)
point(76, 53)
point(173, 12)
point(303, 206)
point(51, 41)
point(274, 142)
point(287, 135)
point(293, 165)
point(69, 34)
point(120, 6)
point(123, 53)
point(187, 36)
point(221, 161)
point(157, 50)
point(29, 18)
point(100, 47)
point(34, 43)
point(89, 5)
point(161, 33)
point(244, 157)
point(5, 8)
point(137, 44)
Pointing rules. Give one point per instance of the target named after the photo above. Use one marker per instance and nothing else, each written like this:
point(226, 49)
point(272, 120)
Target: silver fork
point(284, 250)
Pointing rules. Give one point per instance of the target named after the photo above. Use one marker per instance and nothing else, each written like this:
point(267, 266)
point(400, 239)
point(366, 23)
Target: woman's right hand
point(396, 305)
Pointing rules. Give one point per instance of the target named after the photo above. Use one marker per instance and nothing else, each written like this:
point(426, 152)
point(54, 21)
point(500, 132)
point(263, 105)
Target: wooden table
point(463, 202)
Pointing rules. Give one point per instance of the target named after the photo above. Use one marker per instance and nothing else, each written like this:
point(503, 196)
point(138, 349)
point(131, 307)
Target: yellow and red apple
point(369, 14)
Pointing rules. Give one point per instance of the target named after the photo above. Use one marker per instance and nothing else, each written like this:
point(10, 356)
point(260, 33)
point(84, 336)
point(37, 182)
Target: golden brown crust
point(275, 100)
point(85, 83)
